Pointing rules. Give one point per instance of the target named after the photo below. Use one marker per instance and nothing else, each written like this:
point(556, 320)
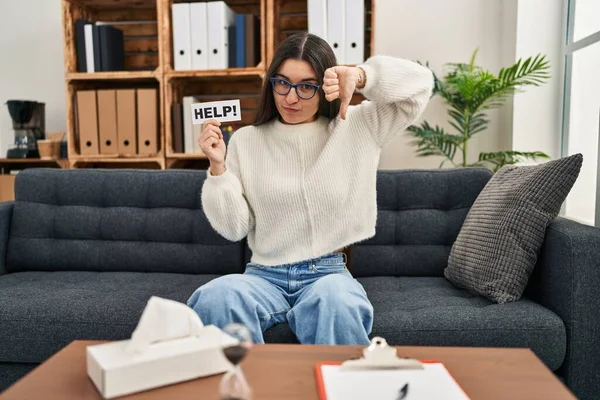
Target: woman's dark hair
point(299, 46)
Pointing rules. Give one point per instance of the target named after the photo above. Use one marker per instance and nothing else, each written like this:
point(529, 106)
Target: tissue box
point(117, 372)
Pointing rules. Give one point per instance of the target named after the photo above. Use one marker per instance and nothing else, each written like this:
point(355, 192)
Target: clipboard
point(381, 375)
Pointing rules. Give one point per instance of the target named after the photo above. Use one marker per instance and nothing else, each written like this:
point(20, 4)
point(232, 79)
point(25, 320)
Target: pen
point(403, 392)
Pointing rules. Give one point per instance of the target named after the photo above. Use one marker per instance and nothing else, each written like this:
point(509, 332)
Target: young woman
point(300, 183)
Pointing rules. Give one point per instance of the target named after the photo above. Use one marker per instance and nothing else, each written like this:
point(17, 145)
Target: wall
point(405, 28)
point(32, 62)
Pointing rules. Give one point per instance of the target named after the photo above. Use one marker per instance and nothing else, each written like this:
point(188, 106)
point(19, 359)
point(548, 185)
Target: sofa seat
point(430, 311)
point(41, 312)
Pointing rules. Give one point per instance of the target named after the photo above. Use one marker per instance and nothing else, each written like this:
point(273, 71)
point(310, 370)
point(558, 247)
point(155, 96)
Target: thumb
point(344, 107)
point(331, 73)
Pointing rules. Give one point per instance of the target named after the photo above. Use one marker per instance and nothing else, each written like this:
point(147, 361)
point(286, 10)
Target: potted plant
point(470, 91)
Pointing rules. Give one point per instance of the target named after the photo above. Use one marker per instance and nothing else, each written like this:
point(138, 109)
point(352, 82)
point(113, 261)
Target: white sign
point(222, 111)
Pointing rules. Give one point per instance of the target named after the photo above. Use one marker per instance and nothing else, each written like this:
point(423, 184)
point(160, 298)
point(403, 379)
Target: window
point(581, 116)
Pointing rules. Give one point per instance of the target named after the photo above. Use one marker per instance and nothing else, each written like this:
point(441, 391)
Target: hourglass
point(233, 384)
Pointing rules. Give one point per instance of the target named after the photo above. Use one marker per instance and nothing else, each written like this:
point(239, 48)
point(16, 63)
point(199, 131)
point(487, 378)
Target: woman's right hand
point(212, 143)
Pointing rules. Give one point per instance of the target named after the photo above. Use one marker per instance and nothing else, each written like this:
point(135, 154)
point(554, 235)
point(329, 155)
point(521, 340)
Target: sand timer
point(234, 385)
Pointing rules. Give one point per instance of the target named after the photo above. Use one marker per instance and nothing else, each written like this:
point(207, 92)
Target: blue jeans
point(318, 298)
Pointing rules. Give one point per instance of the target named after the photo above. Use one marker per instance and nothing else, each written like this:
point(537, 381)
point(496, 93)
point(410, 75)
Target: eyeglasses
point(305, 91)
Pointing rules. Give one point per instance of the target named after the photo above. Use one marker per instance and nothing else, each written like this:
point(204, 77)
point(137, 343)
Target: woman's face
point(296, 109)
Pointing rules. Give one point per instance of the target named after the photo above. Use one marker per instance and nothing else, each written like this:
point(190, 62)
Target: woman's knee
point(222, 290)
point(341, 291)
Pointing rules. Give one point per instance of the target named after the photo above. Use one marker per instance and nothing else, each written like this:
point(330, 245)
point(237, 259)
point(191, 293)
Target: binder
point(112, 48)
point(336, 28)
point(252, 40)
point(220, 18)
point(89, 47)
point(231, 46)
point(188, 128)
point(240, 41)
point(96, 48)
point(177, 128)
point(196, 133)
point(126, 122)
point(355, 31)
point(199, 33)
point(182, 37)
point(147, 117)
point(107, 121)
point(80, 44)
point(317, 18)
point(87, 122)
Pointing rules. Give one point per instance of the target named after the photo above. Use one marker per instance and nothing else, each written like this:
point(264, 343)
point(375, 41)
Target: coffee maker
point(29, 125)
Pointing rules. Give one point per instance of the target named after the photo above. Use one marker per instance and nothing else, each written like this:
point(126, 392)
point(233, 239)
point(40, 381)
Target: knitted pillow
point(498, 244)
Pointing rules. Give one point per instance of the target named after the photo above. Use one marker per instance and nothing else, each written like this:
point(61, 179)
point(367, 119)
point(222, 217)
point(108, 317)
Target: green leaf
point(434, 141)
point(501, 158)
point(469, 91)
point(473, 57)
point(478, 123)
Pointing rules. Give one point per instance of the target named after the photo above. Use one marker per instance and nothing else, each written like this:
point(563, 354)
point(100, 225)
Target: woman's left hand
point(340, 82)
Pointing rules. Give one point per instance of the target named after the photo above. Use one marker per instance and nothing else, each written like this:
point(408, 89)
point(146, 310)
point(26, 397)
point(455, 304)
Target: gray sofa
point(83, 250)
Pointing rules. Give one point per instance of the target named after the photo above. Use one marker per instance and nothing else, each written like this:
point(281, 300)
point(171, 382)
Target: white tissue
point(163, 320)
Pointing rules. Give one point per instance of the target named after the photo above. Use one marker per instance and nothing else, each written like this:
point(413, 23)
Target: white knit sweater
point(302, 191)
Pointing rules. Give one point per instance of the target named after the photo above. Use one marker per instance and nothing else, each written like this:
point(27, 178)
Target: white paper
point(222, 111)
point(163, 320)
point(434, 382)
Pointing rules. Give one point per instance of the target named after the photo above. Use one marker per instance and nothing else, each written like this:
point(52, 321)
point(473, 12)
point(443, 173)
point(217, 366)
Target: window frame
point(569, 48)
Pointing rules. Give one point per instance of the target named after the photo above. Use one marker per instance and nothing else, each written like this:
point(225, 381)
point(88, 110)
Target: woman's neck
point(307, 129)
point(313, 119)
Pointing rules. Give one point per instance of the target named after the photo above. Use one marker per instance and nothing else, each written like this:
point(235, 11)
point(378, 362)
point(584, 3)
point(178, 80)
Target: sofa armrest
point(6, 210)
point(566, 280)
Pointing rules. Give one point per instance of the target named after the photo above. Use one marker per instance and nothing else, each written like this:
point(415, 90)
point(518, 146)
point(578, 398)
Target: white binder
point(336, 28)
point(199, 31)
point(89, 47)
point(355, 31)
point(188, 129)
point(182, 46)
point(317, 18)
point(220, 18)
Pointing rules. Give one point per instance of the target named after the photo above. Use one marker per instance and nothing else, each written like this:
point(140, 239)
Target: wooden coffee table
point(288, 372)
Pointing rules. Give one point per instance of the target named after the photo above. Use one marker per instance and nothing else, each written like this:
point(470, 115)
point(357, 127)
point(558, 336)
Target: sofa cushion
point(116, 220)
point(430, 311)
point(41, 312)
point(498, 244)
point(419, 215)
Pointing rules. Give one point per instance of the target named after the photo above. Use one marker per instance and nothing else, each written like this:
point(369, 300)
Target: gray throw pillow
point(498, 245)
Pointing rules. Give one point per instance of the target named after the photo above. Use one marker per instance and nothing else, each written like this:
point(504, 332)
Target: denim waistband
point(327, 259)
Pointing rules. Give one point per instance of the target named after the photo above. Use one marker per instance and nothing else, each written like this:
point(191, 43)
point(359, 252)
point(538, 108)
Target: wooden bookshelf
point(109, 76)
point(213, 73)
point(119, 162)
point(147, 27)
point(16, 164)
